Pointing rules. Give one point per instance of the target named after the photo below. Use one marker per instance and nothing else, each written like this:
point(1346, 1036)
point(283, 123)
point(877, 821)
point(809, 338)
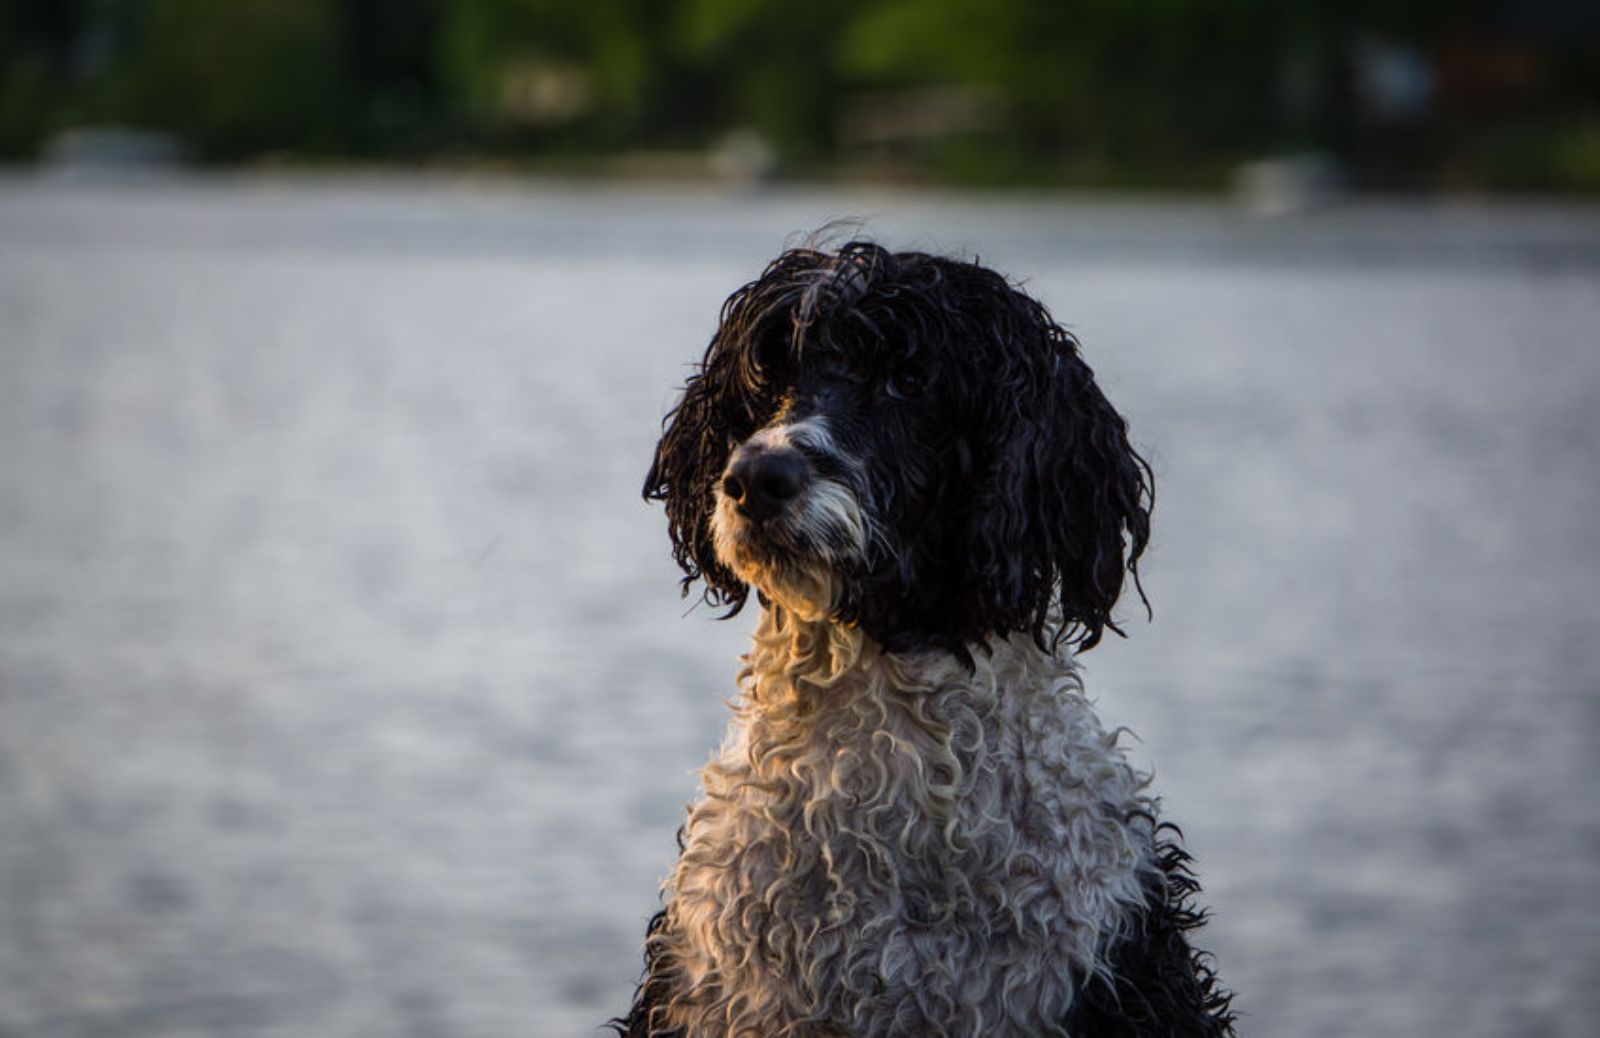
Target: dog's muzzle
point(785, 525)
point(761, 480)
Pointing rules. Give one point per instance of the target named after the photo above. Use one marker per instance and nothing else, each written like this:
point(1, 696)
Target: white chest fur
point(896, 845)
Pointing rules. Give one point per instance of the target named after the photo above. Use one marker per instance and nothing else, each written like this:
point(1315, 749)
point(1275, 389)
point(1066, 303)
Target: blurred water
point(345, 689)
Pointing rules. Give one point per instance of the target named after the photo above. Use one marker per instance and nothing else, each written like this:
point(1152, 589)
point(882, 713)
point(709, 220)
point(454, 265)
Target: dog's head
point(904, 442)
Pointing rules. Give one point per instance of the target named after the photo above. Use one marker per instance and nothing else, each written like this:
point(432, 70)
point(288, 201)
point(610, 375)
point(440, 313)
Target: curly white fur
point(874, 824)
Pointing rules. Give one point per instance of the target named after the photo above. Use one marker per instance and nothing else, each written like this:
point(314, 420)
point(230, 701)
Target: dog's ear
point(1062, 513)
point(696, 439)
point(728, 398)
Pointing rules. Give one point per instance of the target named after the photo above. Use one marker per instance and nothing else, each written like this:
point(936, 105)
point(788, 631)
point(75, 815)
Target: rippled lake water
point(345, 689)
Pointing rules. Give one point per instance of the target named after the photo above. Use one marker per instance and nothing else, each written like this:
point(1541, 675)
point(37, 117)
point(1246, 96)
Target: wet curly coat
point(916, 825)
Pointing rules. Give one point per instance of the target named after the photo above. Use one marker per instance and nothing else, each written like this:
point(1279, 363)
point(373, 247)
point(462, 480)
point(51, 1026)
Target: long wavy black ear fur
point(1063, 511)
point(730, 395)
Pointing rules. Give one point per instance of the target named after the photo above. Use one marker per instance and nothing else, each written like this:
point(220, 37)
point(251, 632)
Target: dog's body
point(917, 824)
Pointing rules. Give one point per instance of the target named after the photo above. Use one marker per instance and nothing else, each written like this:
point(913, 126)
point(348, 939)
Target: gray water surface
point(345, 689)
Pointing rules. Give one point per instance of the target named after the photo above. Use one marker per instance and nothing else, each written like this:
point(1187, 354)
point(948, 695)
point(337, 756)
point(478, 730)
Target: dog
point(916, 825)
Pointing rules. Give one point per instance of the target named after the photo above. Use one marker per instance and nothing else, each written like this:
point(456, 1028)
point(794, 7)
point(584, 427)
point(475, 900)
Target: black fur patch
point(1161, 987)
point(651, 994)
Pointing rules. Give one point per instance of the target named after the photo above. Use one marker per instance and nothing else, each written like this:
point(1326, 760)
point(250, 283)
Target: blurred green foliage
point(1166, 92)
point(235, 77)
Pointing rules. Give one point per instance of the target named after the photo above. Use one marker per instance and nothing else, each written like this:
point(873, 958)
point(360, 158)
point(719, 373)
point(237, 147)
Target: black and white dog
point(916, 825)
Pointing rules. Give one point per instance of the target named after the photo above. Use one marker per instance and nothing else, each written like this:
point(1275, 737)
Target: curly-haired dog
point(916, 825)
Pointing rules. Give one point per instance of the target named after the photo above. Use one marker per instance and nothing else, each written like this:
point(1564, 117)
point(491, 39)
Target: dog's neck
point(799, 660)
point(796, 655)
point(792, 654)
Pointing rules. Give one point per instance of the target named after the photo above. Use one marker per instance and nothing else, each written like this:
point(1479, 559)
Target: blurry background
point(1466, 94)
point(345, 688)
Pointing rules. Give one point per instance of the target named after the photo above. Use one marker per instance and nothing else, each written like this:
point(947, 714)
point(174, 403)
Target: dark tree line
point(1164, 91)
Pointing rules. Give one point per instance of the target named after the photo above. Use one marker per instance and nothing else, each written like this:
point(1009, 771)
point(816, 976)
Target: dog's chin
point(775, 558)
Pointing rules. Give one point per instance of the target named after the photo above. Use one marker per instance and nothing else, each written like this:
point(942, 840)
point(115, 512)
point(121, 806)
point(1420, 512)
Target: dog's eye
point(905, 385)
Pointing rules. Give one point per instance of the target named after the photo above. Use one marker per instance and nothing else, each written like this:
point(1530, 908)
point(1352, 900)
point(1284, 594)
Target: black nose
point(762, 481)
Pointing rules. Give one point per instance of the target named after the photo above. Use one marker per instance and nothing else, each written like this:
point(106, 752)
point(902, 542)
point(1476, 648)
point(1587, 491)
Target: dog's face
point(907, 443)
